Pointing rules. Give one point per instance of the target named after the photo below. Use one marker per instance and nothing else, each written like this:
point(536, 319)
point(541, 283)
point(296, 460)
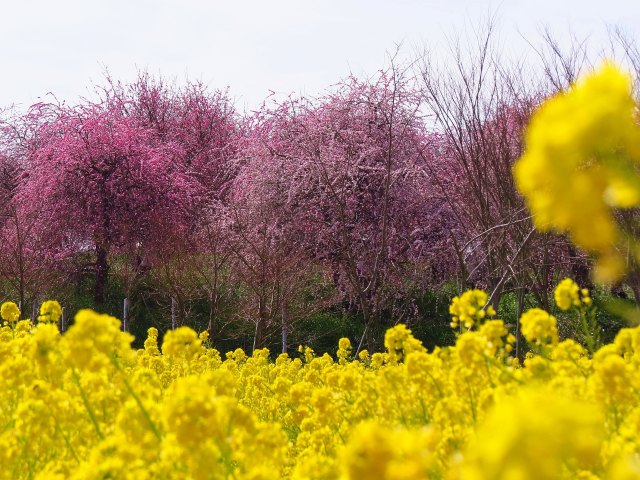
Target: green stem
point(145, 412)
point(87, 405)
point(66, 439)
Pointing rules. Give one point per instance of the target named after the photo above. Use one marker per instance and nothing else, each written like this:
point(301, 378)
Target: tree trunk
point(213, 308)
point(259, 338)
point(21, 301)
point(496, 287)
point(580, 269)
point(633, 280)
point(102, 271)
point(519, 337)
point(374, 333)
point(284, 328)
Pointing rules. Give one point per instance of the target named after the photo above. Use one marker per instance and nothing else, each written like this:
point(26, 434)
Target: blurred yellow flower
point(581, 162)
point(10, 312)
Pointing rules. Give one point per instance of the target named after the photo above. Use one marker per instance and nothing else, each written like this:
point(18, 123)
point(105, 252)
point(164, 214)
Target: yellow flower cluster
point(538, 326)
point(581, 162)
point(568, 294)
point(9, 312)
point(469, 309)
point(85, 405)
point(50, 311)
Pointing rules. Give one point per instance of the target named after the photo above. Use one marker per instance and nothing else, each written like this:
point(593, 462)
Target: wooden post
point(125, 314)
point(174, 312)
point(284, 328)
point(255, 336)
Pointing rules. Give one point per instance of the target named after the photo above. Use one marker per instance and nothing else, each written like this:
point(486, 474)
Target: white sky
point(255, 46)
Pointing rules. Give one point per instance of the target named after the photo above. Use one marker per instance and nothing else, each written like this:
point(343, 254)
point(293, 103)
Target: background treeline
point(304, 221)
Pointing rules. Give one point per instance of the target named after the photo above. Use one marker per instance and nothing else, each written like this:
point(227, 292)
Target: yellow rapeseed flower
point(580, 162)
point(567, 294)
point(10, 312)
point(50, 311)
point(539, 326)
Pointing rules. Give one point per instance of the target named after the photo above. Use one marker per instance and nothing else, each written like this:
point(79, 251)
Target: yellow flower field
point(86, 405)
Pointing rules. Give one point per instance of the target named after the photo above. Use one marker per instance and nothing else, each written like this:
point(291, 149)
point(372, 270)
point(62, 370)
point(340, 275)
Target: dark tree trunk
point(374, 333)
point(213, 311)
point(633, 280)
point(284, 327)
point(259, 339)
point(102, 271)
point(520, 353)
point(580, 269)
point(496, 287)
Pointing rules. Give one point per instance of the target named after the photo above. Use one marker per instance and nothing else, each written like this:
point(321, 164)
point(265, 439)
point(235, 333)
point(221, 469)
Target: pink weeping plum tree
point(355, 188)
point(101, 179)
point(267, 231)
point(189, 251)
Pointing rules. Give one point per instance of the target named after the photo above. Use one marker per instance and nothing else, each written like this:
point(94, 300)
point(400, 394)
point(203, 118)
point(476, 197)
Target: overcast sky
point(255, 46)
